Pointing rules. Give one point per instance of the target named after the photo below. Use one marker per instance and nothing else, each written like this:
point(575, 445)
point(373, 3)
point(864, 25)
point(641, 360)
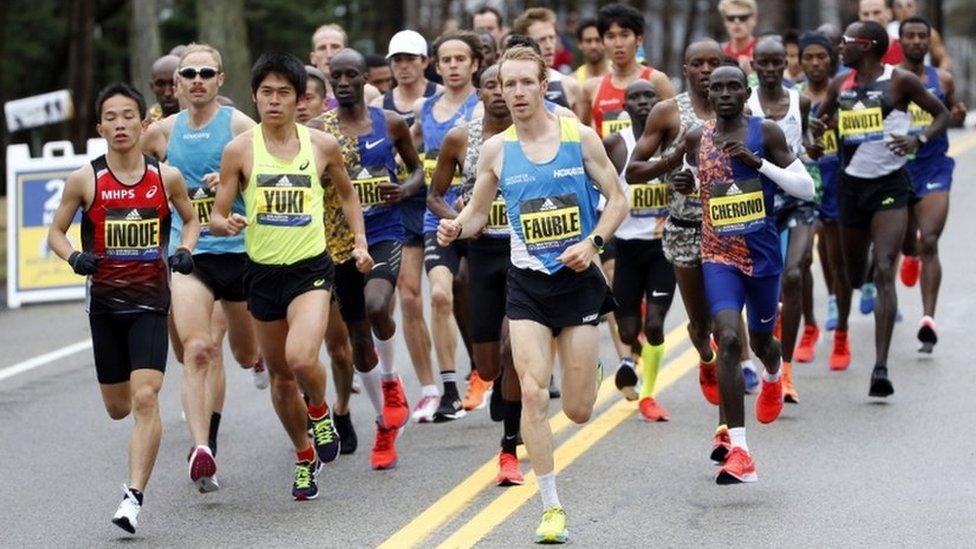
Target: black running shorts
point(436, 255)
point(488, 263)
point(858, 199)
point(563, 299)
point(642, 272)
point(222, 274)
point(124, 342)
point(386, 260)
point(271, 288)
point(350, 285)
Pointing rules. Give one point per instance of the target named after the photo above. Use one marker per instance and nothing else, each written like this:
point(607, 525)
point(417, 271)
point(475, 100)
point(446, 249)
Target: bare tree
point(143, 44)
point(222, 25)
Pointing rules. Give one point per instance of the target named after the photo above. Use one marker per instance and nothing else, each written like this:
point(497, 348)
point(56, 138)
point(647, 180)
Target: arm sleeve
point(794, 179)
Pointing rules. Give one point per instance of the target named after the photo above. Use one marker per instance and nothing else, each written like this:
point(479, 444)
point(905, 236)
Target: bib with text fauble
point(551, 222)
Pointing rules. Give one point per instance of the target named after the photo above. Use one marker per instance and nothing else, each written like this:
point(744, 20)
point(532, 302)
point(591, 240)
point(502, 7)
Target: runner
point(380, 73)
point(871, 103)
point(125, 198)
point(740, 161)
point(458, 56)
point(489, 48)
point(193, 141)
point(289, 273)
point(664, 130)
point(931, 172)
point(327, 40)
point(642, 272)
point(489, 19)
point(556, 294)
point(370, 139)
point(794, 218)
point(740, 18)
point(595, 62)
point(161, 81)
point(314, 97)
point(539, 24)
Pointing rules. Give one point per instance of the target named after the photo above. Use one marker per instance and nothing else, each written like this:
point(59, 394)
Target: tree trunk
point(143, 45)
point(221, 24)
point(80, 59)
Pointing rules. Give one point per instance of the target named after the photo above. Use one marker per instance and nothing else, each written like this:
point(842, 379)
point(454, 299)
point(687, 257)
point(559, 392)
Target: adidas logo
point(733, 190)
point(364, 174)
point(283, 182)
point(199, 193)
point(133, 216)
point(859, 105)
point(547, 205)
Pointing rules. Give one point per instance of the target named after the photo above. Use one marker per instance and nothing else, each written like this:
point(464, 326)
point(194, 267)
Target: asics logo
point(152, 191)
point(304, 165)
point(318, 282)
point(372, 144)
point(590, 318)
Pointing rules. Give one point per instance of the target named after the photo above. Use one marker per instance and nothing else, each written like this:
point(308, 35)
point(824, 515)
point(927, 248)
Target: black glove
point(181, 261)
point(83, 263)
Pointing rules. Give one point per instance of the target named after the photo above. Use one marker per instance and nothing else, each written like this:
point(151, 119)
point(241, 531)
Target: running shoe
point(509, 473)
point(425, 409)
point(750, 376)
point(449, 410)
point(554, 391)
point(259, 374)
point(868, 292)
point(927, 334)
point(477, 394)
point(626, 379)
point(325, 438)
point(840, 355)
point(305, 486)
point(721, 445)
point(384, 455)
point(832, 313)
point(880, 384)
point(396, 412)
point(347, 433)
point(911, 267)
point(552, 529)
point(357, 383)
point(739, 467)
point(806, 351)
point(652, 411)
point(770, 401)
point(789, 391)
point(203, 470)
point(708, 381)
point(127, 515)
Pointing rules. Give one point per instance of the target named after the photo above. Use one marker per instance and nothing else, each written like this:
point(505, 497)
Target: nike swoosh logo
point(372, 144)
point(931, 186)
point(378, 265)
point(767, 320)
point(658, 294)
point(318, 282)
point(304, 165)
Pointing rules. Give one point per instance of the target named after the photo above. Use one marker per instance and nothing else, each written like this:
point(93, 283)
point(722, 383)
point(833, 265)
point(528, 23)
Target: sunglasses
point(205, 73)
point(857, 40)
point(738, 18)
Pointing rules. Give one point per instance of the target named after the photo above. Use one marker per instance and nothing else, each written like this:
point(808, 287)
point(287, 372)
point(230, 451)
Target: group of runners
point(525, 195)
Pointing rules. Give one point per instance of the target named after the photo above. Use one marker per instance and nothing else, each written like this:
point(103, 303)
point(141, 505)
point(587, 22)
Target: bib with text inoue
point(648, 199)
point(737, 207)
point(614, 121)
point(284, 200)
point(132, 234)
point(430, 164)
point(550, 223)
point(367, 183)
point(861, 123)
point(202, 200)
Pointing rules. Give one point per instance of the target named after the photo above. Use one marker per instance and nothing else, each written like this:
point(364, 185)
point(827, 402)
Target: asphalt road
point(839, 469)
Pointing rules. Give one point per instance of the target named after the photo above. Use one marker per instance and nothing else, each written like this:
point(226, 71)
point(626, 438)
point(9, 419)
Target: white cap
point(409, 42)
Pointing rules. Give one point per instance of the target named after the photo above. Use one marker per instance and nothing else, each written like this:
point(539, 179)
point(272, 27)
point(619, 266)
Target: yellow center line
point(460, 497)
point(513, 498)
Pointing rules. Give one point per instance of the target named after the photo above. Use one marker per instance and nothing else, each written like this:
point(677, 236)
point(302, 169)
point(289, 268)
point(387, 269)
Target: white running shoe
point(126, 516)
point(259, 374)
point(357, 384)
point(423, 412)
point(203, 470)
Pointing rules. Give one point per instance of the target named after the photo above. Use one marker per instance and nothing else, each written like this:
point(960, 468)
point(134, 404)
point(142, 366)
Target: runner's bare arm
point(663, 125)
point(411, 160)
point(240, 123)
point(155, 139)
point(574, 95)
point(417, 131)
point(828, 108)
point(586, 104)
point(75, 195)
point(222, 221)
point(663, 86)
point(957, 109)
point(913, 90)
point(616, 151)
point(371, 93)
point(449, 162)
point(180, 199)
point(474, 216)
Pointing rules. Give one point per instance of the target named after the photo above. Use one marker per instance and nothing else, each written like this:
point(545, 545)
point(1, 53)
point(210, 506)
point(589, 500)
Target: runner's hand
point(683, 182)
point(578, 256)
point(817, 127)
point(391, 192)
point(235, 224)
point(738, 150)
point(364, 262)
point(815, 150)
point(181, 261)
point(83, 263)
point(448, 230)
point(903, 144)
point(957, 114)
point(211, 180)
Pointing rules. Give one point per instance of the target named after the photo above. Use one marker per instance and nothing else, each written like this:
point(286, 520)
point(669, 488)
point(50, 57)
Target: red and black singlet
point(127, 226)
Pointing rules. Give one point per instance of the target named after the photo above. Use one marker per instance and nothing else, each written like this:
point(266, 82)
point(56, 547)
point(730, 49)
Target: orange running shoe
point(770, 401)
point(789, 391)
point(477, 394)
point(840, 356)
point(721, 445)
point(911, 267)
point(708, 376)
point(739, 467)
point(509, 473)
point(807, 349)
point(384, 455)
point(652, 411)
point(396, 412)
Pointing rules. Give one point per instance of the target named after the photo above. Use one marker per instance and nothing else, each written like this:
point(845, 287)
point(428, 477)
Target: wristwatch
point(597, 241)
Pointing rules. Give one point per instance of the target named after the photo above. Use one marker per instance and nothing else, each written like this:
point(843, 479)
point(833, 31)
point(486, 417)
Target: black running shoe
point(347, 434)
point(626, 380)
point(449, 409)
point(553, 389)
point(325, 438)
point(927, 335)
point(880, 384)
point(305, 486)
point(496, 406)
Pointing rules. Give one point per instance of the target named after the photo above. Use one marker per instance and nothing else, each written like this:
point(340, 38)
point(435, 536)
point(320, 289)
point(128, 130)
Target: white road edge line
point(47, 358)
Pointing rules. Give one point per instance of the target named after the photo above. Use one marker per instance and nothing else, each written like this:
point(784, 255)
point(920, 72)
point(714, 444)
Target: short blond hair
point(331, 27)
point(531, 16)
point(193, 47)
point(724, 5)
point(524, 53)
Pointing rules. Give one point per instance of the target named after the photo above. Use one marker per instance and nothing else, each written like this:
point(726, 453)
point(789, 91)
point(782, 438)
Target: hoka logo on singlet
point(569, 172)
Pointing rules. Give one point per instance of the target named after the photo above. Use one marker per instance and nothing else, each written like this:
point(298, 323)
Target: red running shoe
point(395, 409)
point(384, 455)
point(652, 411)
point(770, 401)
point(807, 349)
point(911, 267)
point(203, 470)
point(708, 377)
point(509, 473)
point(840, 356)
point(739, 467)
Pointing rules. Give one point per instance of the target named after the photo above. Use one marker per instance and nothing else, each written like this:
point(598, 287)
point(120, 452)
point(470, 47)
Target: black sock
point(214, 427)
point(137, 494)
point(512, 424)
point(449, 379)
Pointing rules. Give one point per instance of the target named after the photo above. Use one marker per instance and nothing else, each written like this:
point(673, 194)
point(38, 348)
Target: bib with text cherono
point(920, 118)
point(430, 164)
point(284, 200)
point(551, 222)
point(614, 121)
point(132, 233)
point(367, 183)
point(202, 200)
point(861, 121)
point(648, 199)
point(829, 140)
point(497, 219)
point(737, 207)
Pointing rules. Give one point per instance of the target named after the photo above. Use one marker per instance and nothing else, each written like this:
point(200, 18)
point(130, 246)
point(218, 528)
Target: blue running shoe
point(867, 298)
point(750, 376)
point(831, 313)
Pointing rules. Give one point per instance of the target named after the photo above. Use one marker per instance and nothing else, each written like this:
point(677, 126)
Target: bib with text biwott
point(861, 122)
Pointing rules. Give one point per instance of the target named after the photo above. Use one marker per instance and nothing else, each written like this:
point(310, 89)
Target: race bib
point(648, 199)
point(497, 219)
point(430, 164)
point(367, 183)
point(737, 207)
point(829, 141)
point(614, 122)
point(132, 234)
point(550, 223)
point(920, 119)
point(859, 125)
point(202, 200)
point(284, 200)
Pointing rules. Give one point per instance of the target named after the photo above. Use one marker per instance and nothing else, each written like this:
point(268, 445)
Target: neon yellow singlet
point(284, 202)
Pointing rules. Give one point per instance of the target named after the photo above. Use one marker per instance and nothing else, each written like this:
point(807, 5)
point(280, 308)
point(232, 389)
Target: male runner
point(642, 272)
point(879, 11)
point(871, 103)
point(193, 141)
point(458, 57)
point(931, 173)
point(380, 73)
point(664, 130)
point(489, 19)
point(164, 88)
point(125, 198)
point(314, 97)
point(327, 40)
point(740, 161)
point(739, 18)
point(370, 139)
point(789, 110)
point(548, 170)
point(278, 166)
point(539, 24)
point(595, 62)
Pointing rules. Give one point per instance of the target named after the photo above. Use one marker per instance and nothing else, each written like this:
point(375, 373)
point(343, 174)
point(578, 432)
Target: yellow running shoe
point(552, 529)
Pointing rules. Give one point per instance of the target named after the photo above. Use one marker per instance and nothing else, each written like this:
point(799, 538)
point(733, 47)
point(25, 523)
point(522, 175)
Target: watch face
point(598, 240)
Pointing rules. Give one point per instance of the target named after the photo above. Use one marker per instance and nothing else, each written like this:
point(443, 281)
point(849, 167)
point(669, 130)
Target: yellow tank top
point(284, 201)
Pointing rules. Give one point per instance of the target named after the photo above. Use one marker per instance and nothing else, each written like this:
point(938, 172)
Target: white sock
point(430, 391)
point(771, 378)
point(547, 488)
point(386, 351)
point(371, 384)
point(747, 364)
point(738, 436)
